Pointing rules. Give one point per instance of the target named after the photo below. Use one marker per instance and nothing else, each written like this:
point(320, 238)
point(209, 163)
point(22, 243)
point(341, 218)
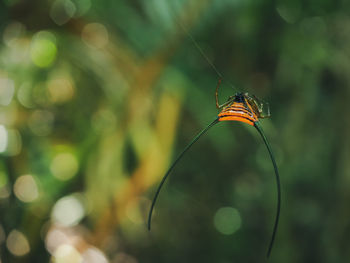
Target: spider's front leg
point(218, 106)
point(216, 94)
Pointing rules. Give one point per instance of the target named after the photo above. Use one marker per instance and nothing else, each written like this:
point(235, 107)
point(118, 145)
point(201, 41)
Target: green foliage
point(97, 97)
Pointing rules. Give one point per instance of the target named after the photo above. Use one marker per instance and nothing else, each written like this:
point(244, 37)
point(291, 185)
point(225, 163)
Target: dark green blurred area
point(98, 97)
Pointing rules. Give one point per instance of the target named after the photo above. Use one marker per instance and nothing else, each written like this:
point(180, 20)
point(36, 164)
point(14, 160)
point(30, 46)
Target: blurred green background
point(97, 98)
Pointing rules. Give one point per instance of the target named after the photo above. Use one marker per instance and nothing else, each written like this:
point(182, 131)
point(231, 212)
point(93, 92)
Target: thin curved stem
point(278, 184)
point(173, 165)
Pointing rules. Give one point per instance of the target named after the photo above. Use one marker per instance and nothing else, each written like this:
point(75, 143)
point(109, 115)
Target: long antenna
point(174, 164)
point(260, 130)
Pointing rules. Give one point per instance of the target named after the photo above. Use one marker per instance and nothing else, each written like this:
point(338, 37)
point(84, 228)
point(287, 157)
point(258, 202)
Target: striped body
point(244, 108)
point(239, 110)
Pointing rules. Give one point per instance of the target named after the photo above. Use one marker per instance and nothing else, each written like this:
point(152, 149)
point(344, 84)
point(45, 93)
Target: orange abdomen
point(237, 111)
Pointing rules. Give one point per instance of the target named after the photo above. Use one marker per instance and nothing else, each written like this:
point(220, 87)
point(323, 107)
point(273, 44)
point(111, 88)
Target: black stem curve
point(278, 184)
point(173, 165)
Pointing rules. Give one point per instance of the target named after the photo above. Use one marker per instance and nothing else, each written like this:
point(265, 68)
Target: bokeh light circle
point(26, 189)
point(43, 49)
point(67, 254)
point(69, 210)
point(64, 166)
point(227, 220)
point(17, 243)
point(95, 35)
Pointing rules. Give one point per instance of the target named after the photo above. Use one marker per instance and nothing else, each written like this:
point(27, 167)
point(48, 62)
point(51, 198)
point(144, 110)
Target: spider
point(239, 107)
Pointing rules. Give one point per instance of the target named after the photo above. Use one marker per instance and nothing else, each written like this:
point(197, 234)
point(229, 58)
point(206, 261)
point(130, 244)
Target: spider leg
point(216, 94)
